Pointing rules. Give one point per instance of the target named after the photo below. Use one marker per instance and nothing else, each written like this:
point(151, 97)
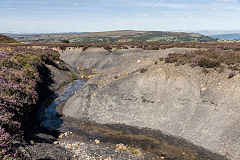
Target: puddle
point(51, 118)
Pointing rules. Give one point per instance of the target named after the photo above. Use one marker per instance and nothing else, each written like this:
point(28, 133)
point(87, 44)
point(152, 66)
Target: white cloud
point(145, 14)
point(162, 4)
point(151, 3)
point(76, 4)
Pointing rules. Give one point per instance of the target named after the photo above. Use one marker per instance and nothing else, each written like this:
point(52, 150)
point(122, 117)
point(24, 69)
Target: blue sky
point(102, 15)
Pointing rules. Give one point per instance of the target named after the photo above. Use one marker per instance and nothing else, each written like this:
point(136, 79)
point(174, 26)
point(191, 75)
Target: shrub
point(143, 70)
point(236, 49)
point(85, 48)
point(206, 58)
point(220, 69)
point(118, 48)
point(108, 48)
point(153, 48)
point(161, 59)
point(208, 63)
point(72, 76)
point(18, 83)
point(65, 41)
point(231, 75)
point(63, 47)
point(172, 57)
point(4, 138)
point(234, 67)
point(205, 71)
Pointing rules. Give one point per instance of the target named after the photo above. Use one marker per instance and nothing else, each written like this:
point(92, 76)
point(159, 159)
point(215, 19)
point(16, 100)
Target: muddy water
point(153, 144)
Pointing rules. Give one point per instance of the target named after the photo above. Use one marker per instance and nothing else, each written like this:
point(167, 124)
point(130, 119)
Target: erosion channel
point(83, 137)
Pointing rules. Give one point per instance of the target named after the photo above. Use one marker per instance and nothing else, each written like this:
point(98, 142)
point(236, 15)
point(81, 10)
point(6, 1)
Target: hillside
point(234, 36)
point(187, 93)
point(5, 39)
point(174, 101)
point(116, 36)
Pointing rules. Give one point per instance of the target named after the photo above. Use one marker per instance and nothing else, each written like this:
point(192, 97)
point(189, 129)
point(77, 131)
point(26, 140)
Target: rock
point(97, 141)
point(75, 144)
point(61, 135)
point(75, 156)
point(47, 151)
point(90, 76)
point(56, 142)
point(31, 142)
point(121, 147)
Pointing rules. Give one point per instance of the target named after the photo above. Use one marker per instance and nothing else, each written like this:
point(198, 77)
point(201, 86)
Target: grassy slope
point(5, 39)
point(116, 36)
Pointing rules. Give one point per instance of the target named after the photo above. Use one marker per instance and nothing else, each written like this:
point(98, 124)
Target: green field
point(164, 38)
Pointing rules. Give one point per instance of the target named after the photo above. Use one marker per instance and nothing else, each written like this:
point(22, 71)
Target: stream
point(51, 119)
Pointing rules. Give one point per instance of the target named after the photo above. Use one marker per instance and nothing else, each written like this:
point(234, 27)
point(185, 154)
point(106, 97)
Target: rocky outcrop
point(180, 101)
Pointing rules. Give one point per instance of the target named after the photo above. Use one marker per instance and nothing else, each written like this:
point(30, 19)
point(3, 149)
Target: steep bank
point(38, 140)
point(133, 87)
point(27, 77)
point(43, 134)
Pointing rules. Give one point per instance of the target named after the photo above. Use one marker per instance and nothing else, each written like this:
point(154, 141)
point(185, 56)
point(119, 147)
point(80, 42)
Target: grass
point(115, 36)
point(72, 76)
point(165, 38)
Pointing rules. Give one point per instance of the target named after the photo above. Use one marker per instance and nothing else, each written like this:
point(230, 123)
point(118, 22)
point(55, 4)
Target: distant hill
point(5, 39)
point(115, 36)
point(234, 36)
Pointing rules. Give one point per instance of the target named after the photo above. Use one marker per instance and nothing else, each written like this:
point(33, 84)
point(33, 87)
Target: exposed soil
point(69, 138)
point(45, 139)
point(137, 88)
point(81, 139)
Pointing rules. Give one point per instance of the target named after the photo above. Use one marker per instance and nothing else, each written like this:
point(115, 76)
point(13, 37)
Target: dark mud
point(152, 143)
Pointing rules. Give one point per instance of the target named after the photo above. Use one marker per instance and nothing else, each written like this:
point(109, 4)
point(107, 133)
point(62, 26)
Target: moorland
point(142, 97)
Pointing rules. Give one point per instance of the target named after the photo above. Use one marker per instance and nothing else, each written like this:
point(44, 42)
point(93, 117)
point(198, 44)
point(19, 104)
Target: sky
point(52, 16)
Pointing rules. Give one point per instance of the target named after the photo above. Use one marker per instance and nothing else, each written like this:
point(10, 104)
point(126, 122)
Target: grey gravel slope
point(180, 101)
